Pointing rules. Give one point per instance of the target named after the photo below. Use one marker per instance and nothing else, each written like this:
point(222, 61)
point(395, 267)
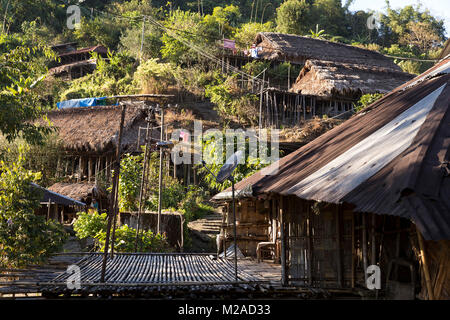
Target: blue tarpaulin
point(86, 102)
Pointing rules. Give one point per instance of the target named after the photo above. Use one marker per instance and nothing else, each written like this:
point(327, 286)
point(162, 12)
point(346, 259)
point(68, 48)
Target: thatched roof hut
point(95, 129)
point(327, 79)
point(78, 191)
point(298, 49)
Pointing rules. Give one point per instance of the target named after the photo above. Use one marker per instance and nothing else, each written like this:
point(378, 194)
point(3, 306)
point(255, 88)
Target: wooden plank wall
point(253, 222)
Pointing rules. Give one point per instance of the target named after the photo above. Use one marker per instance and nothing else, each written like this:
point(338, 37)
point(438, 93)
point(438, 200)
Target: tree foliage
point(20, 74)
point(25, 237)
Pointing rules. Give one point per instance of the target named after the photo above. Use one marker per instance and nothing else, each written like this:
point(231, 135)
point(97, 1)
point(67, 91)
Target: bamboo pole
point(425, 265)
point(141, 191)
point(117, 165)
point(161, 156)
point(112, 205)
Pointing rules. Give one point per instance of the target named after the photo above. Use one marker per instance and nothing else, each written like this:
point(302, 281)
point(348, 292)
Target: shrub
point(89, 225)
point(155, 77)
point(125, 239)
point(366, 100)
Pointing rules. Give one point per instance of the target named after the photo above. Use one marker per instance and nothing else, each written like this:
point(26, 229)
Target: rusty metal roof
point(391, 158)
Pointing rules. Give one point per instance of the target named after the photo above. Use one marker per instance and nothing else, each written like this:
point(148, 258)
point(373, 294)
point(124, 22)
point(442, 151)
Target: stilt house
point(374, 190)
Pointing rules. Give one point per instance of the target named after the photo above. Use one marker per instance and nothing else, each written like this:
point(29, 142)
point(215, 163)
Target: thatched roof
point(95, 129)
point(326, 79)
point(98, 48)
point(67, 67)
point(280, 46)
point(78, 191)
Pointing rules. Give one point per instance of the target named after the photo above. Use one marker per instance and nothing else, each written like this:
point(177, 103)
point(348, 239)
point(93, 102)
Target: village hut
point(374, 190)
point(89, 136)
point(338, 82)
point(75, 63)
point(333, 76)
point(299, 49)
point(57, 206)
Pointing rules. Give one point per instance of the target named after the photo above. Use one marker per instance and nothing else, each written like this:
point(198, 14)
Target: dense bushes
point(125, 239)
point(93, 225)
point(89, 225)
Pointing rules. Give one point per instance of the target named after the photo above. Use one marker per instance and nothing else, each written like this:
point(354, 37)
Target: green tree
point(99, 31)
point(89, 224)
point(113, 76)
point(294, 16)
point(25, 238)
point(366, 100)
point(245, 35)
point(210, 149)
point(397, 22)
point(21, 72)
point(420, 35)
point(130, 182)
point(329, 15)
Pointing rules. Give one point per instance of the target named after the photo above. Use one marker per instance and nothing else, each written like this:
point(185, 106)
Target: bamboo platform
point(152, 274)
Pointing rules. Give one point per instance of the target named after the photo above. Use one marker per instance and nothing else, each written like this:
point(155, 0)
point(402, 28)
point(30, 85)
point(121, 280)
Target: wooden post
point(373, 259)
point(49, 209)
point(143, 181)
point(283, 244)
point(80, 170)
point(425, 265)
point(58, 167)
point(260, 105)
point(161, 159)
point(339, 246)
point(113, 204)
point(353, 251)
point(289, 77)
point(89, 169)
point(182, 232)
point(62, 214)
point(309, 244)
point(117, 169)
point(364, 243)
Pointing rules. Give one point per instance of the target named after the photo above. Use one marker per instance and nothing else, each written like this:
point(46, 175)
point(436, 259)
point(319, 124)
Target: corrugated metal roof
point(392, 158)
point(50, 196)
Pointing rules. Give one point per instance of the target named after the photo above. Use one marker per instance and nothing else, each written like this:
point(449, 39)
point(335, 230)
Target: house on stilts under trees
point(89, 136)
point(374, 190)
point(332, 77)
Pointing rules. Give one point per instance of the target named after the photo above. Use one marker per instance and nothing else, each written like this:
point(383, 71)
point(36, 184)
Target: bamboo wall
point(331, 246)
point(437, 254)
point(253, 225)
